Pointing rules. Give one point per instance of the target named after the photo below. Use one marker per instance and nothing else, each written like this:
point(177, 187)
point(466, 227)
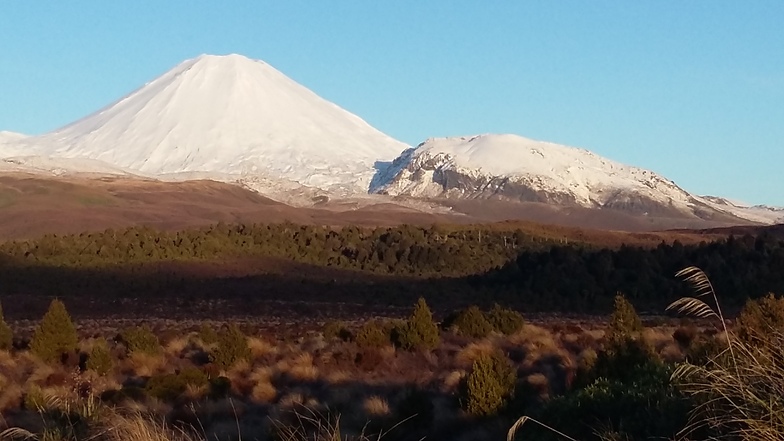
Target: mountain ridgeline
point(451, 266)
point(232, 119)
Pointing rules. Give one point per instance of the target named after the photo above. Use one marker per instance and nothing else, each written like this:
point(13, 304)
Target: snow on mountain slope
point(757, 213)
point(517, 168)
point(61, 166)
point(227, 115)
point(7, 142)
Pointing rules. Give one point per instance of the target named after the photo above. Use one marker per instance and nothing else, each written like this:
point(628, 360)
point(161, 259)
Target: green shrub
point(140, 339)
point(207, 334)
point(420, 332)
point(335, 329)
point(489, 386)
point(34, 398)
point(99, 360)
point(625, 324)
point(647, 407)
point(127, 393)
point(169, 387)
point(373, 334)
point(55, 335)
point(760, 318)
point(471, 322)
point(232, 346)
point(6, 334)
point(505, 320)
point(166, 387)
point(193, 376)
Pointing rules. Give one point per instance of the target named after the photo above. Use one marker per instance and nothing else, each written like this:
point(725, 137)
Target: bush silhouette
point(471, 322)
point(420, 332)
point(140, 339)
point(232, 346)
point(99, 359)
point(490, 385)
point(55, 335)
point(335, 329)
point(759, 318)
point(372, 334)
point(625, 324)
point(6, 334)
point(505, 320)
point(207, 334)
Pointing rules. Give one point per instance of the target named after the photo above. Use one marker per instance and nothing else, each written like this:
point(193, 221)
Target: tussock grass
point(740, 389)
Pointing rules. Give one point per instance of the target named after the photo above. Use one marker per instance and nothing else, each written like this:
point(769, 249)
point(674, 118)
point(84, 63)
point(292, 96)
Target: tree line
point(452, 266)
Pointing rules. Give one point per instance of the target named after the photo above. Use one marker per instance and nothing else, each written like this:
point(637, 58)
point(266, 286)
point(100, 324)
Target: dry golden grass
point(262, 374)
point(292, 400)
point(264, 392)
point(596, 334)
point(658, 337)
point(10, 397)
point(466, 356)
point(260, 347)
point(300, 368)
point(194, 392)
point(672, 353)
point(337, 376)
point(40, 373)
point(7, 360)
point(146, 365)
point(137, 426)
point(376, 406)
point(452, 380)
point(175, 346)
point(540, 383)
point(240, 376)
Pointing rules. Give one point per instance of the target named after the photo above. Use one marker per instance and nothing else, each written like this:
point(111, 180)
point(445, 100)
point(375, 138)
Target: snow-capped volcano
point(227, 116)
point(515, 168)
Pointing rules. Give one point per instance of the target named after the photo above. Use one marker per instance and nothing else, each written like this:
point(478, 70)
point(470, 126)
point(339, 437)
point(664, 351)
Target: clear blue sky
point(693, 90)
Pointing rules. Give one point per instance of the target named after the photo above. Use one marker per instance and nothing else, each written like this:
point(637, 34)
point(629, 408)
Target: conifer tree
point(232, 346)
point(55, 335)
point(420, 332)
point(6, 334)
point(489, 386)
point(625, 324)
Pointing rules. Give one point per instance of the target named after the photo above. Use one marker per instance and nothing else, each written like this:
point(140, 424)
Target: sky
point(691, 90)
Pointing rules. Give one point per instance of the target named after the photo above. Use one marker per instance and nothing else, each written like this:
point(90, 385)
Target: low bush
point(471, 322)
point(505, 320)
point(169, 387)
point(99, 359)
point(207, 334)
point(373, 334)
point(140, 339)
point(6, 334)
point(232, 346)
point(335, 329)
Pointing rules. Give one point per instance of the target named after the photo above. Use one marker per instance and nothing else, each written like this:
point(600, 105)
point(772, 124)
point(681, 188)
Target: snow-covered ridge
point(585, 177)
point(756, 213)
point(512, 167)
point(229, 116)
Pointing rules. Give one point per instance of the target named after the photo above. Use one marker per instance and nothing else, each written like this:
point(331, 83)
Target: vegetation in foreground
point(470, 378)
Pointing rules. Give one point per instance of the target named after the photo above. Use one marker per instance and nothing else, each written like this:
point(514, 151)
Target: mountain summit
point(227, 117)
